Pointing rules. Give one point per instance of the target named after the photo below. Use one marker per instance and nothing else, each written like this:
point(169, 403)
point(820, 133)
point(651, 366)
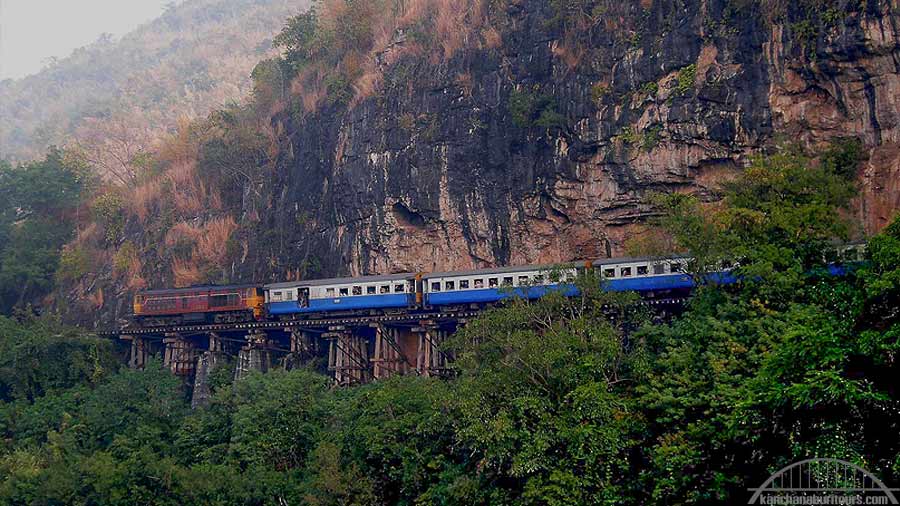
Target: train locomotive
point(199, 304)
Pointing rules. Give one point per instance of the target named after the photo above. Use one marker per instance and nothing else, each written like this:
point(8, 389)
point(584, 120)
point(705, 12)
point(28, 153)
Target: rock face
point(544, 148)
point(542, 142)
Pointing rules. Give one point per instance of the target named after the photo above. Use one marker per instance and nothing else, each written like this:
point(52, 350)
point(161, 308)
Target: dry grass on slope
point(365, 38)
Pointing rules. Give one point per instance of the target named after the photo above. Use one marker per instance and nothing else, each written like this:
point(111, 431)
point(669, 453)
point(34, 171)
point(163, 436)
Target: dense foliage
point(588, 400)
point(38, 206)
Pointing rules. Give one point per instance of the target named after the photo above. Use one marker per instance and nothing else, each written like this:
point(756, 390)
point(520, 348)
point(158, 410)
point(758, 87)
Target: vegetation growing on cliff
point(553, 402)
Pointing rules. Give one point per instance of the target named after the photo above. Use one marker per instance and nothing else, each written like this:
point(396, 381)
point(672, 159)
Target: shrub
point(108, 209)
point(599, 92)
point(686, 79)
point(534, 109)
point(73, 264)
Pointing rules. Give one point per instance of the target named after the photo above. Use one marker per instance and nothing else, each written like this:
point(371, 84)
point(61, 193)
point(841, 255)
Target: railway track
point(319, 323)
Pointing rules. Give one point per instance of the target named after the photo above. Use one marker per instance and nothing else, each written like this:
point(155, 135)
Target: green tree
point(38, 202)
point(543, 393)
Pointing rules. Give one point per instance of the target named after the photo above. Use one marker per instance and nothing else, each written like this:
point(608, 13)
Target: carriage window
point(345, 291)
point(436, 286)
point(539, 279)
point(464, 284)
point(659, 268)
point(385, 289)
point(642, 270)
point(370, 290)
point(508, 281)
point(398, 288)
point(523, 280)
point(676, 267)
point(625, 271)
point(493, 282)
point(357, 290)
point(479, 283)
point(214, 301)
point(329, 292)
point(450, 285)
point(277, 297)
point(609, 273)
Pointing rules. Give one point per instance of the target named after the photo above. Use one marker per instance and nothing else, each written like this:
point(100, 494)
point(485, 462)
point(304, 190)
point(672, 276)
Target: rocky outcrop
point(544, 149)
point(543, 143)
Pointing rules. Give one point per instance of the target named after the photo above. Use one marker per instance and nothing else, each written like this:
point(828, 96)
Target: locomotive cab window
point(436, 286)
point(464, 284)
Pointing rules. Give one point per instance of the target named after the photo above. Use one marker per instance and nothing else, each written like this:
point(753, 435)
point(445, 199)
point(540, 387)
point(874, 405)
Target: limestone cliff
point(537, 142)
point(543, 149)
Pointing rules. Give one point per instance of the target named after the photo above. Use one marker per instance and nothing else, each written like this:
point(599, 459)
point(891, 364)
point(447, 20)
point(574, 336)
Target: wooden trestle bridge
point(354, 349)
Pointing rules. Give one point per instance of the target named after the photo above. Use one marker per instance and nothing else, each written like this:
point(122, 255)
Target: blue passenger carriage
point(485, 286)
point(645, 274)
point(341, 295)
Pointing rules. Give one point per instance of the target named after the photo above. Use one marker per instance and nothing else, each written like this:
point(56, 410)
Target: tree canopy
point(562, 401)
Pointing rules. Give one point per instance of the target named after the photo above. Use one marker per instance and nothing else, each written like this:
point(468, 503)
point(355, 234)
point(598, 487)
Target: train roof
point(190, 289)
point(341, 281)
point(473, 272)
point(547, 267)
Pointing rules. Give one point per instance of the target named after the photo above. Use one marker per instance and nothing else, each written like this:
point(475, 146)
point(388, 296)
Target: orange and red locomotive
point(199, 304)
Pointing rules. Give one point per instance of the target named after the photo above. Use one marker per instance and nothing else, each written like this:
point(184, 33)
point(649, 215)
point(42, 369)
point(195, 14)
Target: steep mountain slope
point(430, 134)
point(196, 57)
point(544, 148)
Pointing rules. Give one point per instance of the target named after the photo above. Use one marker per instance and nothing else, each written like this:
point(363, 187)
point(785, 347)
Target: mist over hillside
point(119, 95)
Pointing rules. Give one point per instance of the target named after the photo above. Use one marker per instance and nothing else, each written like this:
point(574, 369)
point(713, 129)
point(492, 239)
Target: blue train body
point(487, 286)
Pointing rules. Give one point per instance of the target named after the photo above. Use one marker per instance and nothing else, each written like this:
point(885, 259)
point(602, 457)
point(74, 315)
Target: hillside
point(120, 95)
point(429, 135)
point(381, 136)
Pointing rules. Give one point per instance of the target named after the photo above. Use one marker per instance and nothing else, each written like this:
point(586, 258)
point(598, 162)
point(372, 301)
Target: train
point(404, 292)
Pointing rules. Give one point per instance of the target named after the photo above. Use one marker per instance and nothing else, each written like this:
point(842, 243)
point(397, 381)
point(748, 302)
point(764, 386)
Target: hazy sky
point(31, 31)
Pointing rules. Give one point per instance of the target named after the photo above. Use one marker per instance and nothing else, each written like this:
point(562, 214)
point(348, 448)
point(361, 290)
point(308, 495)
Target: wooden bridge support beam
point(140, 352)
point(179, 355)
point(389, 358)
point(348, 357)
point(431, 359)
point(255, 355)
point(304, 347)
point(206, 362)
